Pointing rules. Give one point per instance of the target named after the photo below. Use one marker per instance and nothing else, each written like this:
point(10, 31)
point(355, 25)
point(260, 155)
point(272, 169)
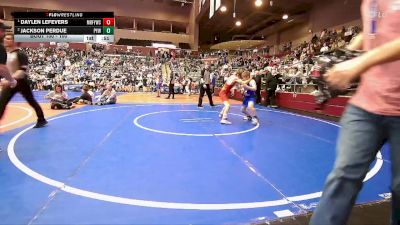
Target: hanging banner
point(217, 4)
point(212, 8)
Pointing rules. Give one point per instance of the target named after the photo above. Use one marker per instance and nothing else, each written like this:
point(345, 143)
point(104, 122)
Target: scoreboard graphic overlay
point(90, 27)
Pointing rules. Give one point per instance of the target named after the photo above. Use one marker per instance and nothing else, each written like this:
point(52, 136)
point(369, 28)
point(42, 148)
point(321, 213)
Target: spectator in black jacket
point(86, 97)
point(258, 79)
point(272, 84)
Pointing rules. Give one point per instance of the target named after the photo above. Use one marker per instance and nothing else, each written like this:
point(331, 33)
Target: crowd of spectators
point(294, 64)
point(131, 72)
point(127, 73)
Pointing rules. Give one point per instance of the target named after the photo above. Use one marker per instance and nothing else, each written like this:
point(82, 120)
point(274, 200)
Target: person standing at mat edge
point(17, 63)
point(171, 88)
point(4, 73)
point(372, 117)
point(205, 82)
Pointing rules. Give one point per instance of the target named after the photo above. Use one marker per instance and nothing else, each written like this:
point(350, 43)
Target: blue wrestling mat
point(170, 164)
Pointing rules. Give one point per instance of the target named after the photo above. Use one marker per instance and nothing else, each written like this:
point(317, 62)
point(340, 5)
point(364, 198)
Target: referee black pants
point(22, 87)
point(171, 91)
point(202, 92)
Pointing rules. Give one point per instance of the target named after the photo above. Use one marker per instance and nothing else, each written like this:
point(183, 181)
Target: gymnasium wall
point(147, 10)
point(323, 15)
point(301, 33)
point(121, 8)
point(152, 36)
point(334, 12)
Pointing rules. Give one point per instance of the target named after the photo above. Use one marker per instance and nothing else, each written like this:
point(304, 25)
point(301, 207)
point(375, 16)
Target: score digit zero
point(108, 21)
point(108, 30)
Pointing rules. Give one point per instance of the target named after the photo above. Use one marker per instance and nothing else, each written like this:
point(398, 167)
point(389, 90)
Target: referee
point(17, 64)
point(205, 86)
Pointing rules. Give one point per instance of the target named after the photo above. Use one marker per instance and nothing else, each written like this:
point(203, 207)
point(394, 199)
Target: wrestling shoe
point(247, 118)
point(254, 121)
point(226, 122)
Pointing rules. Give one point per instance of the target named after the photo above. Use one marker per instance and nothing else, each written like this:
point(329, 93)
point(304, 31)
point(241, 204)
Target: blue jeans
point(361, 136)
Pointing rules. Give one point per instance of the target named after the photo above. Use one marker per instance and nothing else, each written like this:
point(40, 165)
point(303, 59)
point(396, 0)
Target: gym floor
point(149, 160)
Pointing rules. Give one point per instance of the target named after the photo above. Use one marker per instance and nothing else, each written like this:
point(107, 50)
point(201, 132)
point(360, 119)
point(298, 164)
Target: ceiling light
point(285, 16)
point(258, 3)
point(271, 3)
point(238, 23)
point(223, 9)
